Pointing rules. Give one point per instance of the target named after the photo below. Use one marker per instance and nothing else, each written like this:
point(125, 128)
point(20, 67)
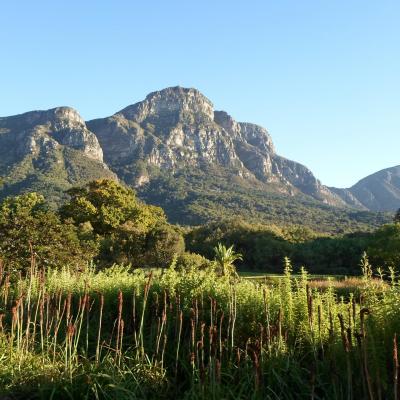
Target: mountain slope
point(48, 151)
point(194, 197)
point(177, 128)
point(377, 192)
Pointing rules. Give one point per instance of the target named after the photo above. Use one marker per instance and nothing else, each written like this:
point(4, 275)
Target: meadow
point(193, 334)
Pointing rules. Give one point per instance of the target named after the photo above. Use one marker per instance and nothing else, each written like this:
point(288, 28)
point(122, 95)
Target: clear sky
point(322, 76)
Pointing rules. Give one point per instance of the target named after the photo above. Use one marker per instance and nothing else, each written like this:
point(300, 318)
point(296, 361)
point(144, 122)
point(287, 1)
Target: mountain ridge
point(379, 191)
point(202, 158)
point(48, 151)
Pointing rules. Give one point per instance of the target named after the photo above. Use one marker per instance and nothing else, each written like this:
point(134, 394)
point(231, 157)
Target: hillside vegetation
point(190, 197)
point(106, 223)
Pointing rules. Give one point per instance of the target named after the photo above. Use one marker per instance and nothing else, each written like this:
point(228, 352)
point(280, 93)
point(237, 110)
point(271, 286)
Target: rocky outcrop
point(348, 198)
point(58, 126)
point(172, 129)
point(251, 134)
point(170, 106)
point(48, 151)
point(177, 128)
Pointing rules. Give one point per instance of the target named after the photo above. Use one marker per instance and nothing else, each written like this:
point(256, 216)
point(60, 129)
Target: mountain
point(197, 163)
point(377, 192)
point(201, 164)
point(177, 128)
point(48, 151)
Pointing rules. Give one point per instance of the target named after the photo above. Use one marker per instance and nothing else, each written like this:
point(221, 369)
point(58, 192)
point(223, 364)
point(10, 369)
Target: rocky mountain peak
point(54, 127)
point(378, 192)
point(172, 133)
point(176, 129)
point(222, 118)
point(57, 117)
point(252, 134)
point(67, 115)
point(173, 101)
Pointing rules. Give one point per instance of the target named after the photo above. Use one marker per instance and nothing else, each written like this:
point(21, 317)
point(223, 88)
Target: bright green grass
point(193, 334)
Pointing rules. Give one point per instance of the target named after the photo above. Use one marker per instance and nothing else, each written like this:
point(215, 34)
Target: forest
point(104, 223)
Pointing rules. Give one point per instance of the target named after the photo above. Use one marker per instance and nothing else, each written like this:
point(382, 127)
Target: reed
point(395, 369)
point(196, 335)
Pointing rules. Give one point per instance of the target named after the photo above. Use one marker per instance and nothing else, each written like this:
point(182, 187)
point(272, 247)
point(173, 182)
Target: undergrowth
point(193, 334)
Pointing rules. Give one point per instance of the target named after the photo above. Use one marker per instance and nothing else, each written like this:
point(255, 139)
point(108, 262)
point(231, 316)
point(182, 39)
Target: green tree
point(384, 247)
point(396, 218)
point(261, 246)
point(26, 224)
point(155, 248)
point(107, 205)
point(128, 230)
point(163, 244)
point(187, 261)
point(224, 260)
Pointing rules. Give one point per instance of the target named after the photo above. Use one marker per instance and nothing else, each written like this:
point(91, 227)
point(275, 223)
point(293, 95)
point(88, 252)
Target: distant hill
point(377, 192)
point(178, 152)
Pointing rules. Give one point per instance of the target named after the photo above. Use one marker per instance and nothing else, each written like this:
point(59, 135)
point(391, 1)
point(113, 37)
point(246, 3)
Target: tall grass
point(195, 335)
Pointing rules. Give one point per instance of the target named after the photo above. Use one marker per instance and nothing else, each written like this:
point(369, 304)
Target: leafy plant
point(224, 260)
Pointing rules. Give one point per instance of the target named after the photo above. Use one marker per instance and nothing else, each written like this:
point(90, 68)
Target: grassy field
point(261, 275)
point(345, 286)
point(195, 335)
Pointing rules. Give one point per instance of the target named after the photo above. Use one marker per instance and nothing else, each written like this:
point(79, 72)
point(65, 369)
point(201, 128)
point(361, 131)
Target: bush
point(163, 244)
point(187, 261)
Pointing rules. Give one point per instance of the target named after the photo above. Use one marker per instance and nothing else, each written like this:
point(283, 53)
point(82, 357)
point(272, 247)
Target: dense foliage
point(128, 230)
point(195, 335)
point(103, 221)
point(264, 247)
point(28, 228)
point(190, 197)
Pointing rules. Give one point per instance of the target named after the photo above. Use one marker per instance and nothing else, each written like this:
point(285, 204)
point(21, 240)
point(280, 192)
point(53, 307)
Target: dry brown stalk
point(395, 369)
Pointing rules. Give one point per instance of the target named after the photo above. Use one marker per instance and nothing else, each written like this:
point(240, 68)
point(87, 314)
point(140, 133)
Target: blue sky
point(322, 76)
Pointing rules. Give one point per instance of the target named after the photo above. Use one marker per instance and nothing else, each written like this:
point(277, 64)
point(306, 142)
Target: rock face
point(172, 129)
point(377, 192)
point(52, 149)
point(177, 128)
point(36, 130)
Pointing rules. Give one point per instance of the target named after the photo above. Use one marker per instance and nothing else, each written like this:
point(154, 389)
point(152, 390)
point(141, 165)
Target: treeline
point(105, 223)
point(264, 247)
point(190, 197)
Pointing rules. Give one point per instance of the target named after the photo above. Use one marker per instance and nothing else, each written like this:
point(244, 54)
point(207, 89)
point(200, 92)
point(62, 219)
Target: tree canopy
point(129, 231)
point(107, 205)
point(26, 226)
